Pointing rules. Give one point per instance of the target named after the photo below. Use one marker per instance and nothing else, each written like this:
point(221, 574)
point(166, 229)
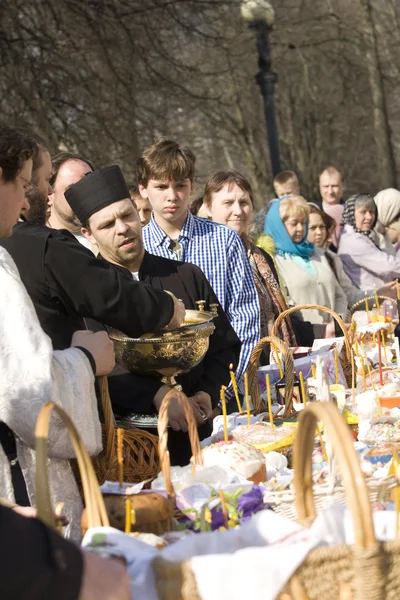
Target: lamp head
point(258, 11)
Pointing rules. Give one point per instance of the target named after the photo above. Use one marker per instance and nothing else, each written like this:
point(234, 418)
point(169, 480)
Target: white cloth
point(388, 205)
point(85, 242)
point(304, 289)
point(32, 374)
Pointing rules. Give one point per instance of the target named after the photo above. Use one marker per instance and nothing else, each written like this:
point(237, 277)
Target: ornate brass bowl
point(167, 353)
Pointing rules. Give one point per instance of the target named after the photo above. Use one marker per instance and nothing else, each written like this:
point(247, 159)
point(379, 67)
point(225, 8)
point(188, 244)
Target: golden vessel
point(167, 353)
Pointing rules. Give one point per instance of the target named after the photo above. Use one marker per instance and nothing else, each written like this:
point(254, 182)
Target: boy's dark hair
point(165, 160)
point(16, 146)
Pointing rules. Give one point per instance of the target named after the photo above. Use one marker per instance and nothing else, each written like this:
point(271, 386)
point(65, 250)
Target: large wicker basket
point(140, 448)
point(346, 354)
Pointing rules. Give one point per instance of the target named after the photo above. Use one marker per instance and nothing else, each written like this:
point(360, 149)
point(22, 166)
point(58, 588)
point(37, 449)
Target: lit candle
point(268, 386)
point(313, 371)
point(377, 301)
point(378, 340)
point(235, 387)
point(246, 397)
point(128, 515)
point(302, 388)
point(120, 440)
point(223, 403)
point(366, 306)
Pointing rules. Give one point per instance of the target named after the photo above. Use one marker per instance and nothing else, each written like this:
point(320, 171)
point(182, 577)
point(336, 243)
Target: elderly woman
point(228, 198)
point(320, 228)
point(387, 227)
point(364, 262)
point(305, 269)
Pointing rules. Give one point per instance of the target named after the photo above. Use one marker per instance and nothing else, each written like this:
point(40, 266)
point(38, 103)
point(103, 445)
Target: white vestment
point(31, 373)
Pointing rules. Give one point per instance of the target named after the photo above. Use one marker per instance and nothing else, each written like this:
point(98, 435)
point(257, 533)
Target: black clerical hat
point(95, 191)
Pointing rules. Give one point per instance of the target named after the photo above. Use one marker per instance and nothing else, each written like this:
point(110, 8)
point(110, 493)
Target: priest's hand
point(179, 313)
point(100, 347)
point(202, 407)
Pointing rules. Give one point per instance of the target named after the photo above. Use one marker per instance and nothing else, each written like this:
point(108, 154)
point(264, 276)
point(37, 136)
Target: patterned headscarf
point(349, 214)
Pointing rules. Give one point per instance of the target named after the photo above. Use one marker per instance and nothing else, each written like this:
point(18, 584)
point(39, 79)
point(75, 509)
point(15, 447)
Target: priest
point(68, 285)
point(110, 220)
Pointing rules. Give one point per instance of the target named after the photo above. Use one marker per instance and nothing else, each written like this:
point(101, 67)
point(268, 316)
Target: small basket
point(140, 448)
point(258, 404)
point(96, 511)
point(360, 304)
point(345, 356)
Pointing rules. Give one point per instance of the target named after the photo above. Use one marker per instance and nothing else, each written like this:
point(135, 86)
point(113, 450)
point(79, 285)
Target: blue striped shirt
point(220, 254)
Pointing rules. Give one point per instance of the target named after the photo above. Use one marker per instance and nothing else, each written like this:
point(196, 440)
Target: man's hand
point(104, 579)
point(202, 407)
point(179, 313)
point(176, 415)
point(388, 289)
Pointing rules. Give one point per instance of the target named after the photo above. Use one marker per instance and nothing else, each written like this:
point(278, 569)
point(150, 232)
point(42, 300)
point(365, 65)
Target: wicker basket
point(360, 305)
point(140, 448)
point(258, 404)
point(96, 511)
point(345, 356)
point(368, 570)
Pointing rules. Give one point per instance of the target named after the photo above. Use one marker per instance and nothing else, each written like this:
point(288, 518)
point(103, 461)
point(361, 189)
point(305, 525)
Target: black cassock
point(187, 282)
point(67, 284)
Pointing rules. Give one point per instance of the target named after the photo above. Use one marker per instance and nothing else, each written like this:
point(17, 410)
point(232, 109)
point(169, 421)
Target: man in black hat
point(114, 225)
point(68, 285)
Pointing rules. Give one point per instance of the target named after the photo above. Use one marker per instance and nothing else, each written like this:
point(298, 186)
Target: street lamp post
point(259, 14)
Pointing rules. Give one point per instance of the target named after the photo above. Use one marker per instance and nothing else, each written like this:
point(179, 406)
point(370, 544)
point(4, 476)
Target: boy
point(165, 174)
point(286, 183)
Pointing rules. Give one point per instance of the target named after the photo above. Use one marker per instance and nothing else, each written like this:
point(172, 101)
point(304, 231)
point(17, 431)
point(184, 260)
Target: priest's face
point(13, 198)
point(169, 200)
point(61, 214)
point(117, 231)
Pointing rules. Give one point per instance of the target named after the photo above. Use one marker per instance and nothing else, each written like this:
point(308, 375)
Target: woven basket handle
point(349, 465)
point(96, 511)
point(281, 346)
point(370, 300)
point(338, 319)
point(163, 435)
point(108, 416)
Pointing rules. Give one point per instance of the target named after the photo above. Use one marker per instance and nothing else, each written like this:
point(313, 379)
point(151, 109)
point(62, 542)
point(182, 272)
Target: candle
point(353, 377)
point(313, 371)
point(268, 386)
point(366, 306)
point(128, 515)
point(378, 340)
point(235, 387)
point(335, 352)
point(302, 388)
point(384, 349)
point(223, 403)
point(377, 301)
point(246, 397)
point(120, 440)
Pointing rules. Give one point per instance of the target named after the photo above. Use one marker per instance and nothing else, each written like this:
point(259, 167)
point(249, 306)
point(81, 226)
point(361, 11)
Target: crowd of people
point(81, 250)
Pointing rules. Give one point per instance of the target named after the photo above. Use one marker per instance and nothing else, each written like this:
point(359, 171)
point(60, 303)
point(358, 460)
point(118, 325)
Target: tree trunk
point(380, 115)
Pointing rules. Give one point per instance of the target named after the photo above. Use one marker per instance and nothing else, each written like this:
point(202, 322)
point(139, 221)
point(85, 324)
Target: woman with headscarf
point(304, 268)
point(228, 198)
point(387, 227)
point(320, 228)
point(364, 262)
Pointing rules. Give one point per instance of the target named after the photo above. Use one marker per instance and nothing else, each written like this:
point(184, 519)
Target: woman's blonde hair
point(294, 206)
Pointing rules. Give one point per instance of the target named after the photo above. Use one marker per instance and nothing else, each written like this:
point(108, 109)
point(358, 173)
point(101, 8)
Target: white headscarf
point(388, 204)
